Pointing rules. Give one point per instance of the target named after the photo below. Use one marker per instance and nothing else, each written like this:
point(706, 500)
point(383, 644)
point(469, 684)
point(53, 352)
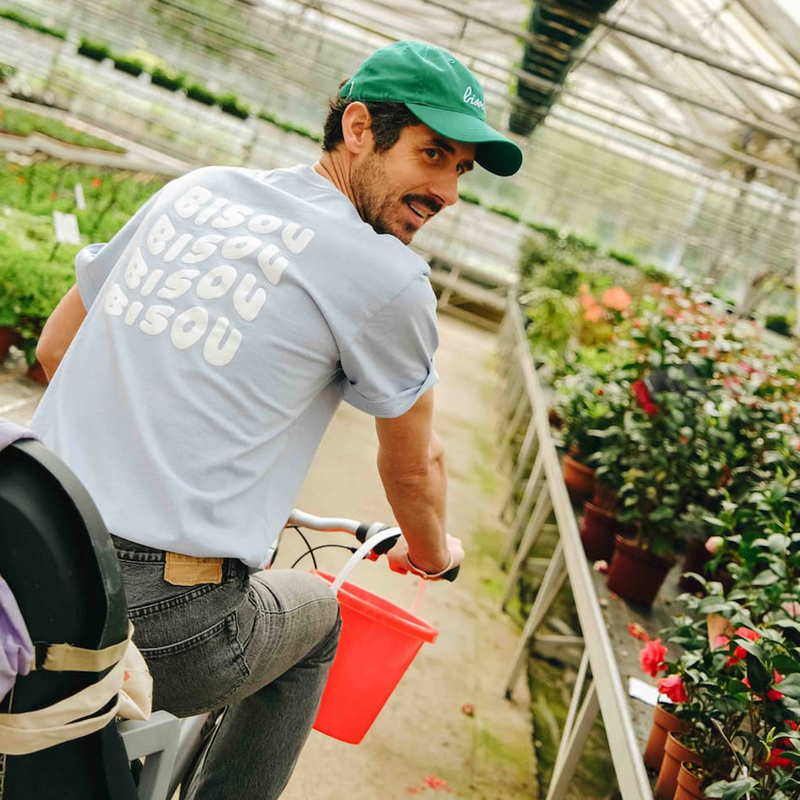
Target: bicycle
point(376, 539)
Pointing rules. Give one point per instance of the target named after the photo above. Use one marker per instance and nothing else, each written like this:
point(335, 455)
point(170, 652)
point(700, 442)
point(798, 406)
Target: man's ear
point(356, 128)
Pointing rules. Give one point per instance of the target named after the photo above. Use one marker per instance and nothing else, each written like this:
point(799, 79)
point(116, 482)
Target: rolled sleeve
point(390, 362)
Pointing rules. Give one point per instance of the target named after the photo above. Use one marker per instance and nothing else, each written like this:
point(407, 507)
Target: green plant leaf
point(731, 790)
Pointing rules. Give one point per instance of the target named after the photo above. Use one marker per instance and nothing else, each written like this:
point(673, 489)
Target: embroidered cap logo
point(473, 100)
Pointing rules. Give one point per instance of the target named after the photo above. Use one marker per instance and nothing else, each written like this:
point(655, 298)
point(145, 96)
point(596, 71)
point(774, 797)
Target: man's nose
point(445, 189)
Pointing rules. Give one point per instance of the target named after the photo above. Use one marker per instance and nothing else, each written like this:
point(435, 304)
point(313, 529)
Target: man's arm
point(411, 466)
point(60, 330)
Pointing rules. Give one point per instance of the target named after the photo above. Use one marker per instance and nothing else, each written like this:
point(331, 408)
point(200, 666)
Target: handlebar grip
point(386, 545)
point(451, 574)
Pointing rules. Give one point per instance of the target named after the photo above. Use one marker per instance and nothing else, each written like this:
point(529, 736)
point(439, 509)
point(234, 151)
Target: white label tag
point(80, 200)
point(66, 226)
point(645, 692)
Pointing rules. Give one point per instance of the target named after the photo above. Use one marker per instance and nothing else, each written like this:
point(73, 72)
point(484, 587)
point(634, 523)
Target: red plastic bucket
point(378, 641)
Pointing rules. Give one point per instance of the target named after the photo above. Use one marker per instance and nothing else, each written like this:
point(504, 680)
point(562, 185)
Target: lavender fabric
point(10, 432)
point(16, 647)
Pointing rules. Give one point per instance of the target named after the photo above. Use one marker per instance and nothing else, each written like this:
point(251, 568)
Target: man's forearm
point(59, 331)
point(418, 500)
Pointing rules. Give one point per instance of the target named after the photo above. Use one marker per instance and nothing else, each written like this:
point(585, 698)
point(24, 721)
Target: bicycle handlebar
point(363, 531)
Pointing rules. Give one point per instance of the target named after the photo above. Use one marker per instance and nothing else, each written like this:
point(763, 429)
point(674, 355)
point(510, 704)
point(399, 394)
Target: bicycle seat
point(60, 563)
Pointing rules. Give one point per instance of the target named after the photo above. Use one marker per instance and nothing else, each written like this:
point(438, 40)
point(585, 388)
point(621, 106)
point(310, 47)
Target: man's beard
point(374, 202)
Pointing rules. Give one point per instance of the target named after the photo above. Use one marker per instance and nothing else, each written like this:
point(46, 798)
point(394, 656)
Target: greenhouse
point(611, 286)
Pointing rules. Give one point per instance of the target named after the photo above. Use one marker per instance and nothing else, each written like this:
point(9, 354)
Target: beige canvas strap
point(68, 658)
point(32, 731)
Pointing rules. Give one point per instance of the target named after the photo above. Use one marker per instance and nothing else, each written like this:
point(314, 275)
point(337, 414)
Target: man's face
point(399, 190)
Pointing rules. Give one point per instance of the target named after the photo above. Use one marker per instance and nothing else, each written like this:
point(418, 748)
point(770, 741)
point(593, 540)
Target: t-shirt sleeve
point(389, 363)
point(94, 263)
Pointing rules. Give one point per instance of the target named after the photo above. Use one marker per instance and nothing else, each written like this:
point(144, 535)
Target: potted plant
point(584, 410)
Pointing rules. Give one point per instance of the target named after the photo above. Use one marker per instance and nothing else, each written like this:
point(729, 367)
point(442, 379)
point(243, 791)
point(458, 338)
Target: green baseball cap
point(441, 92)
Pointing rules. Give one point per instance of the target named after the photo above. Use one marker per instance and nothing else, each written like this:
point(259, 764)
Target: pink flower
point(593, 314)
point(720, 642)
point(672, 686)
point(652, 656)
point(616, 298)
point(792, 608)
point(713, 543)
point(587, 301)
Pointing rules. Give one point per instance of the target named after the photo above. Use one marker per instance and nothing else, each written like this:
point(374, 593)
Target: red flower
point(703, 335)
point(54, 195)
point(97, 183)
point(638, 632)
point(651, 657)
point(775, 760)
point(673, 688)
point(720, 642)
point(643, 398)
point(739, 653)
point(772, 694)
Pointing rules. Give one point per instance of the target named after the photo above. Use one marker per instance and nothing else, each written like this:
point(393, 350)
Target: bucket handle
point(362, 553)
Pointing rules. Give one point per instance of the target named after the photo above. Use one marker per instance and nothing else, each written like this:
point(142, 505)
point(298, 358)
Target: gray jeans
point(261, 644)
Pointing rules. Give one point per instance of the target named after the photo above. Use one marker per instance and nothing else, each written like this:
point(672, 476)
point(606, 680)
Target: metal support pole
point(529, 444)
point(540, 514)
point(573, 746)
point(516, 422)
point(551, 583)
point(577, 693)
point(525, 506)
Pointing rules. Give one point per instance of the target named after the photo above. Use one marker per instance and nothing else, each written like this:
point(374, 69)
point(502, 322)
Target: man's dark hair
point(388, 120)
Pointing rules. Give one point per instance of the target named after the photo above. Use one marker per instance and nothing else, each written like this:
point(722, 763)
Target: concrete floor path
point(447, 730)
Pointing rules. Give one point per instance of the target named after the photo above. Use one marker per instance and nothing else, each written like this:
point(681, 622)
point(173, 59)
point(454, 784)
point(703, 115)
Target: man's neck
point(336, 169)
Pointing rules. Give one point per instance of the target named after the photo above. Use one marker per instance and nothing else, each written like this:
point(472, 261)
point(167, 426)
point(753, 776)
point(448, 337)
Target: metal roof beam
point(678, 134)
point(697, 54)
point(765, 127)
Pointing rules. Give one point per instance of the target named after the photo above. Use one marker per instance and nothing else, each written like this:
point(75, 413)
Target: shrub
point(628, 261)
point(30, 288)
point(230, 104)
point(199, 92)
point(469, 197)
point(99, 52)
point(779, 324)
point(130, 65)
point(163, 78)
point(509, 213)
point(33, 24)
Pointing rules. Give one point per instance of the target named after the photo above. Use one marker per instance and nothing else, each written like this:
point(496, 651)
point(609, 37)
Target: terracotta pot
point(674, 755)
point(597, 532)
point(8, 336)
point(663, 723)
point(579, 479)
point(690, 786)
point(604, 497)
point(694, 560)
point(636, 574)
point(36, 373)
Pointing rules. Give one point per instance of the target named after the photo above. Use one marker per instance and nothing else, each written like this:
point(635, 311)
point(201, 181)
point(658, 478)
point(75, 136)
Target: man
point(214, 337)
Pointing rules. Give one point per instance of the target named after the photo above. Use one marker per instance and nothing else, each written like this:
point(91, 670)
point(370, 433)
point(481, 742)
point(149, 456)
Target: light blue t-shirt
point(225, 323)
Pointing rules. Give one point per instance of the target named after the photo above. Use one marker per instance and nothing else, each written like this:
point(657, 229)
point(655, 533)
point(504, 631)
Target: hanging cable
point(320, 547)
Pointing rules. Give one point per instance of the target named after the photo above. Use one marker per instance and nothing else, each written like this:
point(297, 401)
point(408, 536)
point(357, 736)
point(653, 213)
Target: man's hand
point(398, 557)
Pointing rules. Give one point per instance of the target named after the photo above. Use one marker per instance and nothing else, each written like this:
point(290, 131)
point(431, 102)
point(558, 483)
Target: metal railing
point(599, 687)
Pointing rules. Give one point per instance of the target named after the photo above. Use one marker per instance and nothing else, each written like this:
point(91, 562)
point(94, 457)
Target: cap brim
point(495, 152)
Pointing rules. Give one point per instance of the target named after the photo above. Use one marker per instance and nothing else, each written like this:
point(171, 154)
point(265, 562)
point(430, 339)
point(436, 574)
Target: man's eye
point(432, 154)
